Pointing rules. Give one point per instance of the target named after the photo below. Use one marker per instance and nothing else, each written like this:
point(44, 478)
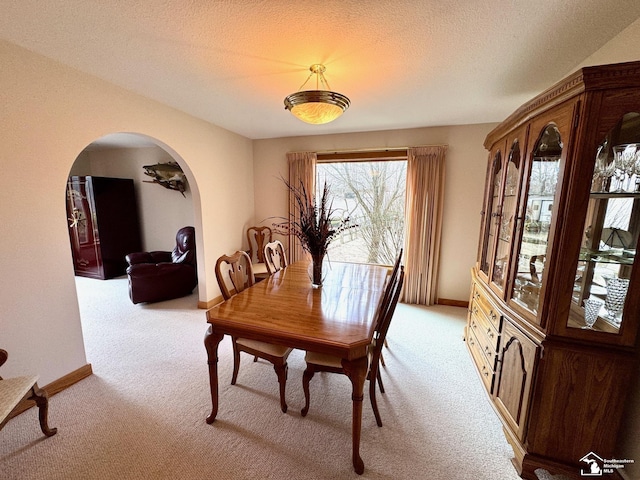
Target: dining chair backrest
point(238, 269)
point(396, 266)
point(388, 291)
point(258, 237)
point(387, 314)
point(275, 257)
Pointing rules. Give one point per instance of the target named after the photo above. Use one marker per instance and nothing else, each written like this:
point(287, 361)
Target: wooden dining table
point(337, 318)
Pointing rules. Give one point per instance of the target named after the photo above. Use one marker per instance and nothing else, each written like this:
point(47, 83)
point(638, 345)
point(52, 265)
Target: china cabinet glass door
point(536, 218)
point(610, 231)
point(505, 220)
point(491, 212)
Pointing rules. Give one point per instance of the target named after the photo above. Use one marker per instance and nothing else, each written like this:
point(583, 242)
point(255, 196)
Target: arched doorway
point(160, 211)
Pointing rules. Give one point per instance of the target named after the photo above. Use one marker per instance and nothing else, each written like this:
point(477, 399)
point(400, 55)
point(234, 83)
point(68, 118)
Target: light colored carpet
point(142, 414)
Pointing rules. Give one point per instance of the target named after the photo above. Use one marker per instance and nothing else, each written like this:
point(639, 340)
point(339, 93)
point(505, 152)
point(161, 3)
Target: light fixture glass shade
point(317, 106)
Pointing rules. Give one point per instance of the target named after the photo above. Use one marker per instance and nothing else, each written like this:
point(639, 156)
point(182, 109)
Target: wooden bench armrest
point(3, 358)
point(12, 391)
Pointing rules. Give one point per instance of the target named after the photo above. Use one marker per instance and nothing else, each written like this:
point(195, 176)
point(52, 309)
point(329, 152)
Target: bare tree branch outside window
point(372, 194)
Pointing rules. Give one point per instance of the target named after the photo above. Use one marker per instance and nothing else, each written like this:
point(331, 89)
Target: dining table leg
point(211, 341)
point(356, 370)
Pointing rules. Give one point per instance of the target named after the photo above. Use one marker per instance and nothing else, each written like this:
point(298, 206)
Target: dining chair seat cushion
point(260, 269)
point(12, 390)
point(323, 359)
point(268, 348)
point(330, 360)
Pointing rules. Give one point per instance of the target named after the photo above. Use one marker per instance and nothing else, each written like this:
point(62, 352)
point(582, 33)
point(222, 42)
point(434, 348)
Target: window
point(372, 194)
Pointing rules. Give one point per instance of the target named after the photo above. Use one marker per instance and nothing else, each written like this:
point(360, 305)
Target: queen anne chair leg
point(380, 381)
point(306, 378)
point(236, 362)
point(374, 403)
point(373, 377)
point(281, 372)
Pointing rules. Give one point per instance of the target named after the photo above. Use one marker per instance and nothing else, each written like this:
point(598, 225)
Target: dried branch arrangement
point(316, 226)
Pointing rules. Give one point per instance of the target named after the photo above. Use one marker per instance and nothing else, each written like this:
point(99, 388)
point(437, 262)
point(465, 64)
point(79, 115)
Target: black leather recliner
point(157, 276)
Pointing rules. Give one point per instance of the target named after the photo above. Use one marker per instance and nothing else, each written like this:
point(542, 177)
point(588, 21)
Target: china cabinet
point(555, 298)
point(103, 225)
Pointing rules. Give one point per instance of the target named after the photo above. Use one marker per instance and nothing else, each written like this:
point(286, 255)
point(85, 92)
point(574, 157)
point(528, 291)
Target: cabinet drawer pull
point(493, 315)
point(490, 333)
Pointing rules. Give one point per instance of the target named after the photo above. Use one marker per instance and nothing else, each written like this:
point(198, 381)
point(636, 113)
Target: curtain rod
point(371, 149)
point(362, 150)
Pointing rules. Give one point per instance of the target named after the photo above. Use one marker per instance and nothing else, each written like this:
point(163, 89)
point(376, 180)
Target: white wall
point(161, 211)
point(624, 47)
point(50, 113)
point(464, 185)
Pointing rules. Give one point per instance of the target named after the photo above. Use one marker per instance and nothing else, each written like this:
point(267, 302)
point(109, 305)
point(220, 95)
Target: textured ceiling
point(403, 64)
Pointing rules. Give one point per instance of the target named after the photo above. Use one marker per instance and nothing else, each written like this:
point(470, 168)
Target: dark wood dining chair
point(392, 277)
point(274, 257)
point(317, 362)
point(234, 274)
point(258, 237)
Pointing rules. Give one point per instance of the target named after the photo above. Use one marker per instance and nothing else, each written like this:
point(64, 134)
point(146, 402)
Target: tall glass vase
point(616, 295)
point(316, 269)
point(591, 309)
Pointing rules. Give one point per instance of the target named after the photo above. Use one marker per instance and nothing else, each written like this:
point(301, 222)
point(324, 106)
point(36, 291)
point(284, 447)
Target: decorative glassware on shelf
point(626, 159)
point(505, 228)
point(604, 169)
point(616, 295)
point(592, 308)
point(636, 169)
point(609, 232)
point(512, 179)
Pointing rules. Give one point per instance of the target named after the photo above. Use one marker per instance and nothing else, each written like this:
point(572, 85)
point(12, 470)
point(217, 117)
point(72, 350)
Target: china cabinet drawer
point(482, 304)
point(479, 358)
point(483, 328)
point(485, 346)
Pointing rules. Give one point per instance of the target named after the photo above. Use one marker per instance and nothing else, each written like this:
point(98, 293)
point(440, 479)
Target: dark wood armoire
point(103, 225)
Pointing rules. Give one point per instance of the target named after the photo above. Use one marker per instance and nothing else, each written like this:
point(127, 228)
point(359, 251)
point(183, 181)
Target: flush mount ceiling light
point(317, 106)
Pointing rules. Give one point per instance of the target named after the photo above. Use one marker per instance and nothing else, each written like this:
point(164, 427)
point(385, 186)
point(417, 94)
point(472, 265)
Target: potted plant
point(316, 226)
